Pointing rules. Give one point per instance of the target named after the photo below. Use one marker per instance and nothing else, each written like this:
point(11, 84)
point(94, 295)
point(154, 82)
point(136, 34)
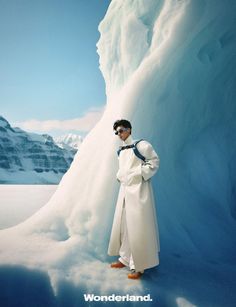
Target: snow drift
point(169, 67)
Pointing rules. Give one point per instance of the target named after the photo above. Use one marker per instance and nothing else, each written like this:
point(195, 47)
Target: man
point(135, 236)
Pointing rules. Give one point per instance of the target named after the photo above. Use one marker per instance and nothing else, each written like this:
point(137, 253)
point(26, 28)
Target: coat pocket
point(134, 177)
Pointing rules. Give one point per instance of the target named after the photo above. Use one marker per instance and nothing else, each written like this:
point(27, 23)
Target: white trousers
point(125, 254)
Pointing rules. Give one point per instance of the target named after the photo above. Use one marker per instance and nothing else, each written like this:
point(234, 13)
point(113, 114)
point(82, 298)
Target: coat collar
point(128, 141)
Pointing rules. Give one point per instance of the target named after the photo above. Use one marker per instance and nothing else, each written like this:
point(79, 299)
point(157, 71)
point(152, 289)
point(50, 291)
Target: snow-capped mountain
point(69, 141)
point(30, 157)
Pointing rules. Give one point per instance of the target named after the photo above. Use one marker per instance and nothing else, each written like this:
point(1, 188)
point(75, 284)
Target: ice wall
point(175, 62)
point(169, 67)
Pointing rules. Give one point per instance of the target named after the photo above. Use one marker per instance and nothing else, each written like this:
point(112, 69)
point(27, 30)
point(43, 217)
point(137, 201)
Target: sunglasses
point(121, 130)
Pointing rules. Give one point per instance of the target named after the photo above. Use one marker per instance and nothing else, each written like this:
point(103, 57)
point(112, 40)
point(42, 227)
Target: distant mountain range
point(69, 141)
point(31, 158)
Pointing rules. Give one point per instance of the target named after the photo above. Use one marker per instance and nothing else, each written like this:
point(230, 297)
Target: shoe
point(117, 265)
point(135, 275)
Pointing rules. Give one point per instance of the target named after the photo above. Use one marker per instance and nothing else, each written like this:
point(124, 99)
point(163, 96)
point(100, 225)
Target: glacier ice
point(169, 67)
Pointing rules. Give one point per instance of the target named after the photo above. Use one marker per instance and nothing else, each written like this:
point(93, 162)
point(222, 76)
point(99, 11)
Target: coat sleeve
point(152, 163)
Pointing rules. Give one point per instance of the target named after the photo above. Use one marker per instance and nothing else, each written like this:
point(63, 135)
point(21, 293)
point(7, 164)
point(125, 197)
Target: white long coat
point(136, 188)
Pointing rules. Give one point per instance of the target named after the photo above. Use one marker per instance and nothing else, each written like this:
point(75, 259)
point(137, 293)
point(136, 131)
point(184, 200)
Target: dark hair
point(122, 122)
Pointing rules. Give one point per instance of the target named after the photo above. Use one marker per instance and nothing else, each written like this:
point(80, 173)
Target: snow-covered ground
point(18, 202)
point(169, 67)
point(179, 281)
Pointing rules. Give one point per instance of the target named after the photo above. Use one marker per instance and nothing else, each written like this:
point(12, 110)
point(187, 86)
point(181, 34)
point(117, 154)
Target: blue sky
point(49, 67)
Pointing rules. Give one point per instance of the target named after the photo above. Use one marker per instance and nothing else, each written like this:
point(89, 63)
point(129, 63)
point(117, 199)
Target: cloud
point(84, 123)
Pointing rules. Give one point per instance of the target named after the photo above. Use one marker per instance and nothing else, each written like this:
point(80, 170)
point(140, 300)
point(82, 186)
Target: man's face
point(123, 132)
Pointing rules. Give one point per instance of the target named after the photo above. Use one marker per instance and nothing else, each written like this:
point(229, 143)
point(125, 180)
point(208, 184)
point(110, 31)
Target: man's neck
point(128, 140)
